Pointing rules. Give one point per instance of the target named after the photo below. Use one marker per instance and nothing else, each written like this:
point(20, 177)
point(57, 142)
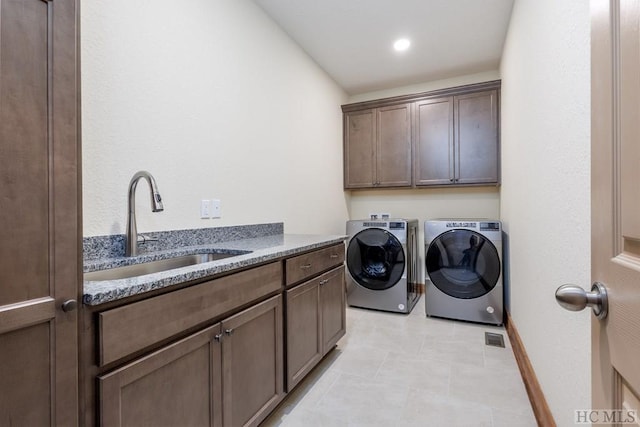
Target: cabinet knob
point(333, 256)
point(69, 305)
point(229, 331)
point(217, 337)
point(322, 282)
point(306, 266)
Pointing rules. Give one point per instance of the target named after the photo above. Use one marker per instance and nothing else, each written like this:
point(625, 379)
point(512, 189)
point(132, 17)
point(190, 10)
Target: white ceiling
point(352, 39)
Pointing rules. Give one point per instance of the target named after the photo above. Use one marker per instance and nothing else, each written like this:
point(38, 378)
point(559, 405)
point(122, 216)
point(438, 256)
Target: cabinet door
point(304, 334)
point(252, 363)
point(40, 232)
point(333, 300)
point(177, 385)
point(433, 128)
point(393, 147)
point(359, 146)
point(477, 153)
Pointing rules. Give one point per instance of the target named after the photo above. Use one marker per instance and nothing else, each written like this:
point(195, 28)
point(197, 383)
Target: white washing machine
point(463, 260)
point(382, 264)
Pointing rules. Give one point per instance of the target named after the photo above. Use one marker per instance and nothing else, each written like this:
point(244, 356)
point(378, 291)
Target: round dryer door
point(375, 259)
point(463, 264)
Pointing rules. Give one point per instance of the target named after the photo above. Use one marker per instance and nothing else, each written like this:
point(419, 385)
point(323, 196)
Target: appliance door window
point(375, 259)
point(463, 264)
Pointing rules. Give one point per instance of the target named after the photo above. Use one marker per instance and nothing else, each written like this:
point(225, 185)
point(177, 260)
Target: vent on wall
point(495, 340)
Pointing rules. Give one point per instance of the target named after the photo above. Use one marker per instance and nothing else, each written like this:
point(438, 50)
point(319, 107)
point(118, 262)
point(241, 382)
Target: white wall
point(545, 195)
point(215, 101)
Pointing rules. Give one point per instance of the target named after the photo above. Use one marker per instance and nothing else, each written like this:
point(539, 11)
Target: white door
point(615, 198)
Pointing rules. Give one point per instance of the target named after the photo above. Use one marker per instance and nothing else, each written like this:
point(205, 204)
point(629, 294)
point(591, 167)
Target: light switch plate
point(216, 208)
point(205, 208)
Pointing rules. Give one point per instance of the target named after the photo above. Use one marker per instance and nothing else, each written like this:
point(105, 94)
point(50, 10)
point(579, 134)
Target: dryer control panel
point(490, 226)
point(397, 225)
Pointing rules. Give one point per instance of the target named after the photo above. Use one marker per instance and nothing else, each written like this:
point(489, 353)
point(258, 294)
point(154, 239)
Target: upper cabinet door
point(476, 138)
point(40, 252)
point(393, 148)
point(433, 129)
point(359, 146)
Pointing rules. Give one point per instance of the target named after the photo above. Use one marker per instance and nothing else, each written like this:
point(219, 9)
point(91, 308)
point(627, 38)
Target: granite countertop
point(259, 250)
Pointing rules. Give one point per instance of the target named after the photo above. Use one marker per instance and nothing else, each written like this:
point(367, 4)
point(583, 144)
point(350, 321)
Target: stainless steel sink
point(155, 266)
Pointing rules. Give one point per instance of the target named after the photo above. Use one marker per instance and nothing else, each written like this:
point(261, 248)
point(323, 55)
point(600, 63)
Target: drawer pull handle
point(322, 282)
point(306, 266)
point(333, 256)
point(218, 337)
point(228, 331)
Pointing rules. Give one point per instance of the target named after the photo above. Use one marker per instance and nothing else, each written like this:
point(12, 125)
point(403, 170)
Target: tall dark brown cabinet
point(39, 213)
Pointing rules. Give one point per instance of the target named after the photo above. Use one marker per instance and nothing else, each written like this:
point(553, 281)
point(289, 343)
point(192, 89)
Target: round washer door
point(463, 264)
point(375, 259)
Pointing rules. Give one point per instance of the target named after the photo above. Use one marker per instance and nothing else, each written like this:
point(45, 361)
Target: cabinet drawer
point(125, 330)
point(308, 265)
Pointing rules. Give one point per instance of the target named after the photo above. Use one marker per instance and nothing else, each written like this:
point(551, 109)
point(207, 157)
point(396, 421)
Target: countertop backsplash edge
point(112, 246)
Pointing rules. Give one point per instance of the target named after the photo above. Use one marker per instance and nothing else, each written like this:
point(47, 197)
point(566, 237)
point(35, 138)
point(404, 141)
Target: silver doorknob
point(574, 298)
point(69, 305)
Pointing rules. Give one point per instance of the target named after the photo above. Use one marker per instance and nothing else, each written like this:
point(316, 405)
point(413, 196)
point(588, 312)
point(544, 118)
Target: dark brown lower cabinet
point(174, 368)
point(252, 362)
point(304, 331)
point(179, 384)
point(229, 374)
point(333, 303)
point(315, 322)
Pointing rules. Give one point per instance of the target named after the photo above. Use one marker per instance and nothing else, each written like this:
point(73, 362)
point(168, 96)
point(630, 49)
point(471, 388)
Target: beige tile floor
point(410, 370)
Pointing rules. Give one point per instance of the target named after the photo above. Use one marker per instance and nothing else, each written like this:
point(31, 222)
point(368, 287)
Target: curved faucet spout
point(131, 238)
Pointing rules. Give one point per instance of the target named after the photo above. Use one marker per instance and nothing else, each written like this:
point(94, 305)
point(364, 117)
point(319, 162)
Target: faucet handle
point(142, 239)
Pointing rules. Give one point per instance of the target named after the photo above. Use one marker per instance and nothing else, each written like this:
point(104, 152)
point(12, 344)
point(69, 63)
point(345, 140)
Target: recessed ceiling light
point(402, 44)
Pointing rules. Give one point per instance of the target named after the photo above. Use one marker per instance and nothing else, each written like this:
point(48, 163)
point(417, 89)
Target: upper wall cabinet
point(476, 138)
point(433, 128)
point(452, 138)
point(377, 147)
point(456, 140)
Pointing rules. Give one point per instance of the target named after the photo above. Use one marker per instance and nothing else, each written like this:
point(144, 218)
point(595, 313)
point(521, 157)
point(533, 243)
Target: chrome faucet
point(131, 239)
